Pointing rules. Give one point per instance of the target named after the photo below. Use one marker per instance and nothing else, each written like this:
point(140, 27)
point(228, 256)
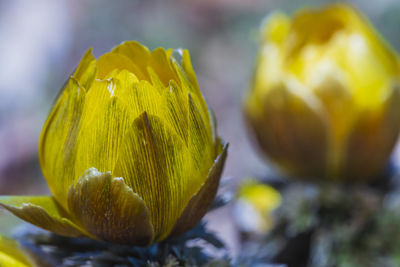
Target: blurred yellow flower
point(254, 205)
point(130, 150)
point(11, 255)
point(324, 101)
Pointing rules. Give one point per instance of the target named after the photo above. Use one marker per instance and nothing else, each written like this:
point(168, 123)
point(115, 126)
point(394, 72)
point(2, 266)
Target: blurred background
point(42, 41)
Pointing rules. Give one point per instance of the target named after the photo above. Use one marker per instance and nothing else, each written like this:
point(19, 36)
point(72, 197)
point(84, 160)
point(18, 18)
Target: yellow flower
point(130, 150)
point(324, 102)
point(254, 205)
point(11, 255)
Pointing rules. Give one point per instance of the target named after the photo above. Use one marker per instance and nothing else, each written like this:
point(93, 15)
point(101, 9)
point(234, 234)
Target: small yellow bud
point(254, 204)
point(324, 102)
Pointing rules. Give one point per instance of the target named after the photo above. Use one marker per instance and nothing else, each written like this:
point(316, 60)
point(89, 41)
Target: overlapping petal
point(57, 145)
point(202, 200)
point(42, 211)
point(109, 209)
point(159, 171)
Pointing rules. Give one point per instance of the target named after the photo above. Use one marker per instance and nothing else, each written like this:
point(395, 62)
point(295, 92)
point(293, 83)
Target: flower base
point(332, 225)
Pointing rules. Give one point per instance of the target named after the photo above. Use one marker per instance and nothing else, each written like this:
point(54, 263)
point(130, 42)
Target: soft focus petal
point(156, 165)
point(254, 206)
point(291, 129)
point(109, 209)
point(377, 131)
point(202, 200)
point(343, 71)
point(275, 28)
point(42, 211)
point(11, 254)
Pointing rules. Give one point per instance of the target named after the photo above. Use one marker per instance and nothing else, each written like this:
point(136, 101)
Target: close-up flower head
point(130, 150)
point(324, 101)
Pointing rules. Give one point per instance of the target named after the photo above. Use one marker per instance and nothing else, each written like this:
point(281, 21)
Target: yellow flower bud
point(324, 101)
point(130, 150)
point(254, 206)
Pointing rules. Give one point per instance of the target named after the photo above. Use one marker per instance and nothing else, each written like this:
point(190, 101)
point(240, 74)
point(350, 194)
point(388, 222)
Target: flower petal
point(109, 209)
point(188, 80)
point(104, 122)
point(189, 72)
point(373, 138)
point(85, 73)
point(292, 131)
point(202, 200)
point(136, 52)
point(158, 60)
point(57, 149)
point(156, 164)
point(200, 139)
point(111, 61)
point(138, 96)
point(42, 211)
point(161, 64)
point(11, 255)
point(175, 110)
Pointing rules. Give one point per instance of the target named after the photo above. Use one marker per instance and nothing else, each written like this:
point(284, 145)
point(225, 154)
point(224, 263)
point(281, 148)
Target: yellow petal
point(155, 163)
point(111, 61)
point(11, 255)
point(42, 211)
point(136, 53)
point(158, 60)
point(155, 80)
point(162, 65)
point(189, 84)
point(263, 197)
point(85, 73)
point(109, 209)
point(200, 140)
point(343, 36)
point(139, 96)
point(372, 139)
point(57, 145)
point(105, 120)
point(175, 110)
point(202, 200)
point(188, 81)
point(189, 72)
point(292, 131)
point(275, 28)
